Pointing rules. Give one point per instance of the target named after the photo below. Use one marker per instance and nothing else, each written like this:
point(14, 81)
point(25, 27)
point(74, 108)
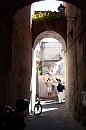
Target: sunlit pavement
point(53, 117)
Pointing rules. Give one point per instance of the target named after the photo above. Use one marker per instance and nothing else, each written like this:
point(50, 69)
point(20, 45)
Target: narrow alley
point(21, 29)
point(53, 117)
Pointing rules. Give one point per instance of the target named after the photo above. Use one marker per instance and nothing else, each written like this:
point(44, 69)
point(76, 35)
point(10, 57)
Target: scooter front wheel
point(37, 109)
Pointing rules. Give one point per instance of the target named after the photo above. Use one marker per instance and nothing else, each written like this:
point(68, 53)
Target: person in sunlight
point(55, 83)
point(49, 87)
point(60, 90)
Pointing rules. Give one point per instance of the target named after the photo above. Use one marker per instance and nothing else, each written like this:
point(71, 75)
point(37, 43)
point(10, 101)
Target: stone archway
point(55, 35)
point(49, 34)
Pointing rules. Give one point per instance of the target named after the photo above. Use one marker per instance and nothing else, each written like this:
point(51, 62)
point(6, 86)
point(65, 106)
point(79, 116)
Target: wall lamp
point(61, 10)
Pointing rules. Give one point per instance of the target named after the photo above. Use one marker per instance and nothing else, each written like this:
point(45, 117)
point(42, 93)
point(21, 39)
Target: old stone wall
point(75, 67)
point(20, 76)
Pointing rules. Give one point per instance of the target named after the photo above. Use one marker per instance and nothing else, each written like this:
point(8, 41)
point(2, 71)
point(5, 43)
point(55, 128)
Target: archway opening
point(71, 36)
point(52, 60)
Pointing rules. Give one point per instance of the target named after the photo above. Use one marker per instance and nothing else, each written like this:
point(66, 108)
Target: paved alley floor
point(53, 117)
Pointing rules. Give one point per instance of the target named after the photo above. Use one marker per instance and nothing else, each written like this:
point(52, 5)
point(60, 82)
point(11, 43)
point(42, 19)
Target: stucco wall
point(20, 76)
point(76, 70)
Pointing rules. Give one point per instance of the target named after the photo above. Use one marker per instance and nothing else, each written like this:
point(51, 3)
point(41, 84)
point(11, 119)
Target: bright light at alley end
point(61, 9)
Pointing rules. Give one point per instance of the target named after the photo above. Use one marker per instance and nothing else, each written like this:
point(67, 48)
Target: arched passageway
point(55, 52)
point(50, 34)
point(16, 81)
point(54, 35)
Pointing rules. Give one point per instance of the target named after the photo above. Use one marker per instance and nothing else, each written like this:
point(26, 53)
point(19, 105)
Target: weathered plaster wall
point(76, 70)
point(20, 76)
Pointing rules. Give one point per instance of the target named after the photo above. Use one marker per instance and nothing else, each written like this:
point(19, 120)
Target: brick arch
point(50, 34)
point(9, 8)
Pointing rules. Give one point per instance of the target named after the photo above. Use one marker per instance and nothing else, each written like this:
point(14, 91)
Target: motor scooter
point(13, 119)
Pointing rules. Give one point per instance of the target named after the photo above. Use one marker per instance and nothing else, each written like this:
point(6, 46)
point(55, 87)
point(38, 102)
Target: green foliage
point(47, 15)
point(40, 15)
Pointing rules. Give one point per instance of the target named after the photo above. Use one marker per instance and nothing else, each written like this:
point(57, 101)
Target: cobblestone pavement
point(53, 117)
